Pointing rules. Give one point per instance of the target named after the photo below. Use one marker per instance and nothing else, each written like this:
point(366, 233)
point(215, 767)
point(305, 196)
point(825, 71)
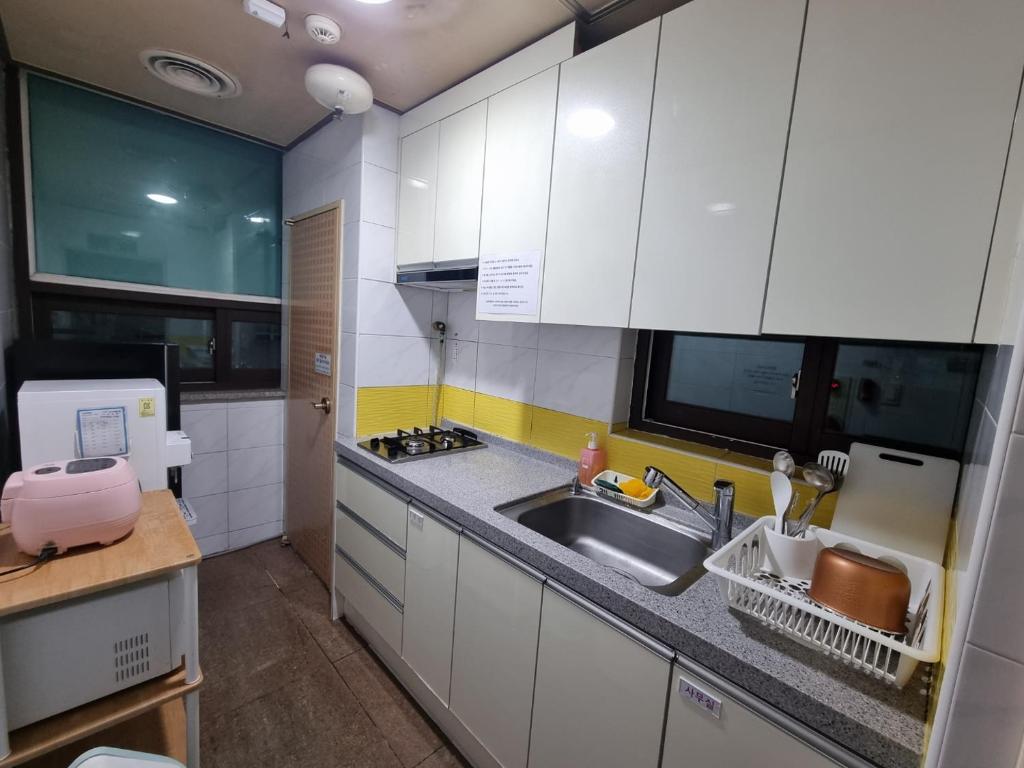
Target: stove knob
point(375, 443)
point(392, 451)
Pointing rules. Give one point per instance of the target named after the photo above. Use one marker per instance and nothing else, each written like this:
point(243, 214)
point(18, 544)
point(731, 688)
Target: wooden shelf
point(160, 543)
point(46, 736)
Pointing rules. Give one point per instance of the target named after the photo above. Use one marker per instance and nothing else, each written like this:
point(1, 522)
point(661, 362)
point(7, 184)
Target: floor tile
point(412, 737)
point(232, 582)
point(315, 722)
point(284, 566)
point(248, 653)
point(445, 757)
point(312, 605)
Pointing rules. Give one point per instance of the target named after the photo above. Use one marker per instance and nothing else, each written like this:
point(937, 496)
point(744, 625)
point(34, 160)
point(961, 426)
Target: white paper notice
point(102, 432)
point(509, 283)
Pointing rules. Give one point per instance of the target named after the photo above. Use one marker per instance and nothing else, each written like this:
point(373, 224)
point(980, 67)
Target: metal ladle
point(821, 479)
point(783, 462)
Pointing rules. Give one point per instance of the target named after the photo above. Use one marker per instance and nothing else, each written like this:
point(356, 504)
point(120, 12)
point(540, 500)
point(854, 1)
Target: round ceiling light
point(156, 197)
point(339, 88)
point(190, 74)
point(322, 29)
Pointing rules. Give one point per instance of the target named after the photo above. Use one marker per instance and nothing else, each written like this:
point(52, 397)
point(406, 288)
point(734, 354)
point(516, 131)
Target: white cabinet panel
point(722, 101)
point(898, 142)
point(737, 739)
point(368, 601)
point(431, 569)
point(375, 557)
point(460, 174)
point(604, 109)
point(497, 614)
point(600, 695)
point(517, 171)
point(376, 506)
point(1004, 281)
point(417, 198)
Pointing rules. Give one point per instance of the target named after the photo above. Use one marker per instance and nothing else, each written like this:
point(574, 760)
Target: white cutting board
point(898, 499)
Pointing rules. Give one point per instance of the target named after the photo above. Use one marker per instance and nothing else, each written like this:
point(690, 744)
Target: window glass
point(124, 193)
point(748, 376)
point(192, 335)
point(913, 394)
point(255, 345)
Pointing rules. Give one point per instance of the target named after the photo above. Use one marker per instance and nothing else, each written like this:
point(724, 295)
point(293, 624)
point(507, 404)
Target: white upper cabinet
point(899, 136)
point(517, 171)
point(1004, 281)
point(460, 176)
point(417, 198)
point(722, 103)
point(604, 110)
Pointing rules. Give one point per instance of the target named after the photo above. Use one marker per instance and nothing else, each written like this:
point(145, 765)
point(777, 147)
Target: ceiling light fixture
point(590, 123)
point(131, 233)
point(338, 88)
point(156, 197)
point(258, 219)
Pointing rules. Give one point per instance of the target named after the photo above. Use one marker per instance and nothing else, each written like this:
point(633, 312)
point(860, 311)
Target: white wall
point(235, 480)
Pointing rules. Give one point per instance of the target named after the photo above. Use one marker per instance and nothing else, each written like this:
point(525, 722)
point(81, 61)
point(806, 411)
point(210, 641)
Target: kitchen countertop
point(232, 395)
point(867, 717)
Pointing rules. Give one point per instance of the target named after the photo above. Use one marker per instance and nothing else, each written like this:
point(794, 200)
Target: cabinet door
point(1001, 298)
point(497, 614)
point(431, 568)
point(460, 178)
point(737, 738)
point(604, 110)
point(900, 130)
point(722, 102)
point(417, 198)
point(600, 694)
point(517, 172)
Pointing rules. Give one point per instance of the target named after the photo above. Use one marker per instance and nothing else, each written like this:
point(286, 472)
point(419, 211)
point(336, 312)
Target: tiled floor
point(287, 688)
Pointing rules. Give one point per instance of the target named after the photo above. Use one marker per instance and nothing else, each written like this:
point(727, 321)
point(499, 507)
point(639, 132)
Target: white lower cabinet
point(497, 616)
point(737, 738)
point(599, 698)
point(431, 570)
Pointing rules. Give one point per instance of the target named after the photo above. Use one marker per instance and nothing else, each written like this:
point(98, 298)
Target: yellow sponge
point(636, 489)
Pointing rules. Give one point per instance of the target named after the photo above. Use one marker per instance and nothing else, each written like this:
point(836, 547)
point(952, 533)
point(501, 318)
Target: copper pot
point(862, 588)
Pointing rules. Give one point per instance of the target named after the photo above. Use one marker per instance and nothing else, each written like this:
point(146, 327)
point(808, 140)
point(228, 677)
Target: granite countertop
point(232, 395)
point(869, 718)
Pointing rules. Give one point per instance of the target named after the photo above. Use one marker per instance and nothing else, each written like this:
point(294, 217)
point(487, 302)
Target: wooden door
point(315, 269)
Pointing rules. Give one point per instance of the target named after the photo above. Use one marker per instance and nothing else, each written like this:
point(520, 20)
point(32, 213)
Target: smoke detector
point(190, 74)
point(322, 29)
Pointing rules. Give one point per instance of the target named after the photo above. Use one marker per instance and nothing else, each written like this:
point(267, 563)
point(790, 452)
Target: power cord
point(45, 554)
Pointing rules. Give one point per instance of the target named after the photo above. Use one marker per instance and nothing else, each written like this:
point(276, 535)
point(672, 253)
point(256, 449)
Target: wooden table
point(160, 544)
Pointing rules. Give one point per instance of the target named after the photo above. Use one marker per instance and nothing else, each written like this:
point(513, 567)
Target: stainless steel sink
point(660, 554)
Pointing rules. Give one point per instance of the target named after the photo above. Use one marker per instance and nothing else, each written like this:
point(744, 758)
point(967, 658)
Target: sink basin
point(663, 556)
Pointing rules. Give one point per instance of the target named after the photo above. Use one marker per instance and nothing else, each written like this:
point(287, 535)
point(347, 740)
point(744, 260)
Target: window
point(759, 394)
point(143, 227)
point(127, 194)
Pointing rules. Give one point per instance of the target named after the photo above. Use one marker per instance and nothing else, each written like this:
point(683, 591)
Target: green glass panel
point(105, 173)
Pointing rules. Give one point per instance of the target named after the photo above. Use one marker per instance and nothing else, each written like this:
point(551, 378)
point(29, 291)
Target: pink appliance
point(71, 503)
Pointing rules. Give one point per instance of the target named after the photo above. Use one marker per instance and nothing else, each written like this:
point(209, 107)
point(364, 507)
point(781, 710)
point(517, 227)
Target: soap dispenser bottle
point(592, 460)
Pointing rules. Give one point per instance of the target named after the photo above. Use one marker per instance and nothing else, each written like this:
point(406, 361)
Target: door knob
point(324, 404)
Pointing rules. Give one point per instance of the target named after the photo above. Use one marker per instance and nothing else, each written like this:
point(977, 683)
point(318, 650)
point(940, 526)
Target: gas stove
point(421, 444)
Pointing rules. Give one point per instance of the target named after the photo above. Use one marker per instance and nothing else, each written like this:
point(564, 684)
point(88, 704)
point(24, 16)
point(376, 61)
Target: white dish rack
point(747, 584)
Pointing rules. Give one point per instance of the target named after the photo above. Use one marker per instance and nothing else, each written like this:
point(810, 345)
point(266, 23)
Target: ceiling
point(409, 50)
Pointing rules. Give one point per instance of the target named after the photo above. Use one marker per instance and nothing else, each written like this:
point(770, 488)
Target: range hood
point(440, 278)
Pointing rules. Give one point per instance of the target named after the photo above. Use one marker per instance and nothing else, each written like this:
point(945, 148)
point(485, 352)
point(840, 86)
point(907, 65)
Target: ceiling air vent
point(190, 74)
point(323, 29)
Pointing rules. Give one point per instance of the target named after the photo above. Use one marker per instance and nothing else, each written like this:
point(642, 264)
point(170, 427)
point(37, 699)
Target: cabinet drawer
point(369, 601)
point(374, 556)
point(372, 503)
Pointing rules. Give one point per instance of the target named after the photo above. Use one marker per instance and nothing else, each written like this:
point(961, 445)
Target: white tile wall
point(581, 370)
point(392, 361)
point(387, 310)
point(235, 480)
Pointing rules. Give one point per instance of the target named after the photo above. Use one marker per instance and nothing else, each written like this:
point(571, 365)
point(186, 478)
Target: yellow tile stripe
point(692, 465)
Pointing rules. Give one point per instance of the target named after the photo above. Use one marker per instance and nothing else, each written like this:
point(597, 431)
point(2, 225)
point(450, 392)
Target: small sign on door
point(322, 363)
point(700, 698)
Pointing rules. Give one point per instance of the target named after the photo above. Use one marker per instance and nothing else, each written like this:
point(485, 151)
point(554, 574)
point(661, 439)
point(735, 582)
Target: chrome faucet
point(719, 520)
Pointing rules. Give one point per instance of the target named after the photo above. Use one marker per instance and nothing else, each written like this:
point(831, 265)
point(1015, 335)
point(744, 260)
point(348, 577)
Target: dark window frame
point(651, 411)
point(48, 297)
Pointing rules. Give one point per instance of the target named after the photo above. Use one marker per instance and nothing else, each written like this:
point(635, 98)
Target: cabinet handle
point(369, 579)
point(362, 523)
